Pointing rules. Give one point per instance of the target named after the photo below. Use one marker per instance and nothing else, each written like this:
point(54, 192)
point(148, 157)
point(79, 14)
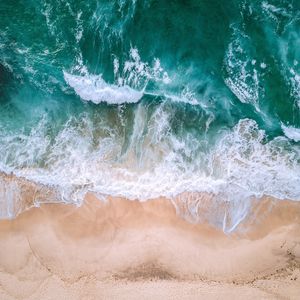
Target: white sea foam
point(138, 74)
point(94, 88)
point(157, 163)
point(130, 82)
point(291, 132)
point(295, 85)
point(274, 12)
point(242, 77)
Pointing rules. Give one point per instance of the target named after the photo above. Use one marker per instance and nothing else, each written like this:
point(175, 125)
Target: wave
point(242, 69)
point(94, 88)
point(130, 82)
point(291, 132)
point(240, 166)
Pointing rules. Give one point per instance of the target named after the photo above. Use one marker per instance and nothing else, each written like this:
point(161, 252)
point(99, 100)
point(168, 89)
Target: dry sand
point(125, 249)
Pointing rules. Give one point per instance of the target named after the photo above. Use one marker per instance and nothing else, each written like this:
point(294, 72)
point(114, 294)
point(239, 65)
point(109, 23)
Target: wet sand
point(123, 249)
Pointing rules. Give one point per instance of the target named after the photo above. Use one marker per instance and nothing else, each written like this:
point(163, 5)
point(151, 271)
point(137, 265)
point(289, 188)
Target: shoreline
point(18, 195)
point(121, 248)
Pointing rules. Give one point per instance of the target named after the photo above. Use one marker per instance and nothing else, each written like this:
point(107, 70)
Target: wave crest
point(94, 88)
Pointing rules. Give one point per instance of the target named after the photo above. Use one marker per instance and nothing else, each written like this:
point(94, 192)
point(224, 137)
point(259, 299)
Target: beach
point(122, 249)
point(149, 149)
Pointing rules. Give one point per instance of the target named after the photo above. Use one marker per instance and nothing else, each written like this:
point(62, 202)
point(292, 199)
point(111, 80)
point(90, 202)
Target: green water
point(211, 99)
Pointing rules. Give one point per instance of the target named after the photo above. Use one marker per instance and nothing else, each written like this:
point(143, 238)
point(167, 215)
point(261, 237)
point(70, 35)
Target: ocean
point(144, 99)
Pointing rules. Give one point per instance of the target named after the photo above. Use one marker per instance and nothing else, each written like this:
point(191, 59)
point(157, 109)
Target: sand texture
point(125, 249)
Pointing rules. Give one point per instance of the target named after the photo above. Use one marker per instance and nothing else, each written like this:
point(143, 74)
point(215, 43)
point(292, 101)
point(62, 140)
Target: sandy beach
point(121, 249)
point(149, 150)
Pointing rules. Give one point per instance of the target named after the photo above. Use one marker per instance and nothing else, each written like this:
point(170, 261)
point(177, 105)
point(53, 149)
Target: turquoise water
point(149, 98)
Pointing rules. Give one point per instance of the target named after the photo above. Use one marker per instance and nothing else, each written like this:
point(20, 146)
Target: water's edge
point(18, 195)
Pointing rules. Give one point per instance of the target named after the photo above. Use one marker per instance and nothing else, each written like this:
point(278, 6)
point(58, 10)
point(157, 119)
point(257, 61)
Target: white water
point(291, 132)
point(242, 76)
point(130, 82)
point(239, 166)
point(94, 88)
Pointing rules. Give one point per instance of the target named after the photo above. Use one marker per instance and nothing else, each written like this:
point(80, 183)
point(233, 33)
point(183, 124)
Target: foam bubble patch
point(94, 88)
point(291, 132)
